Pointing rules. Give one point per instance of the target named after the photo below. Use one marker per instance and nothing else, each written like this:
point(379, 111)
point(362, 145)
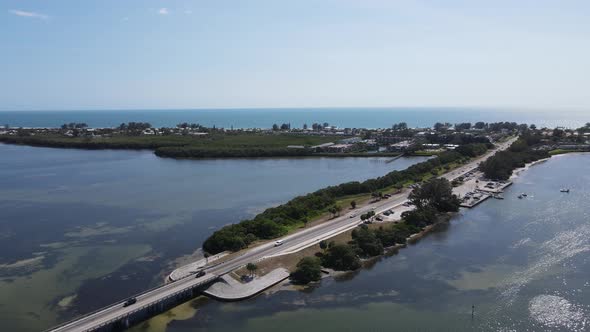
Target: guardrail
point(145, 306)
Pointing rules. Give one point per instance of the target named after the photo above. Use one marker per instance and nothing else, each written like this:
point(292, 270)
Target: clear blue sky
point(115, 54)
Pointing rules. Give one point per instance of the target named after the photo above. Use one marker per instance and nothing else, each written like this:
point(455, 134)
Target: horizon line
point(486, 108)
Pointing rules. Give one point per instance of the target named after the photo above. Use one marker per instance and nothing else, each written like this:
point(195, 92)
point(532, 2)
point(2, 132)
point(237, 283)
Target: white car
point(352, 216)
point(278, 243)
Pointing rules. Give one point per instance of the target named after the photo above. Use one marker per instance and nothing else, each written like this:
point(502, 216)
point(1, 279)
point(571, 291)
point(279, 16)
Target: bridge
point(149, 303)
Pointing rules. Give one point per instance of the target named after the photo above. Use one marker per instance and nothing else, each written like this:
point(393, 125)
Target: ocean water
point(265, 118)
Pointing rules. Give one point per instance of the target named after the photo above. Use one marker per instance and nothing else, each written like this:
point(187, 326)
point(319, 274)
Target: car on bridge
point(129, 302)
point(200, 274)
point(278, 243)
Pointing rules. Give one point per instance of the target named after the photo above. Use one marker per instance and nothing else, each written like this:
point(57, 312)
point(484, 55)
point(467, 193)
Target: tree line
point(217, 152)
point(501, 165)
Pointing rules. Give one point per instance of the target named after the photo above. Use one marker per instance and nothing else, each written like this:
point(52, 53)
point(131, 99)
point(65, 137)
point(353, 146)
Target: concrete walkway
point(192, 268)
point(229, 289)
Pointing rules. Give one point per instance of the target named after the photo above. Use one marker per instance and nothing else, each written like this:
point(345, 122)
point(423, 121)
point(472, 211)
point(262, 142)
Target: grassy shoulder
point(561, 151)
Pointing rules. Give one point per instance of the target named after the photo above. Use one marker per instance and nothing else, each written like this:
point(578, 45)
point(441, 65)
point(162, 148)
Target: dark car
point(130, 302)
point(200, 274)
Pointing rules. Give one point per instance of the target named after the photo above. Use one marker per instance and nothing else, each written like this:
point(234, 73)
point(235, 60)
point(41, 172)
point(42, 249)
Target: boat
point(496, 196)
point(523, 195)
point(520, 196)
point(565, 190)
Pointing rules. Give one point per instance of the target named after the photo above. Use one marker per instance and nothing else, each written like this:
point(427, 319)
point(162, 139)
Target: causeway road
point(291, 243)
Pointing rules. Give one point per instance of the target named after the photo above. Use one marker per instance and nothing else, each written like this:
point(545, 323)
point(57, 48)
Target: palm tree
point(332, 210)
point(305, 221)
point(251, 267)
point(338, 209)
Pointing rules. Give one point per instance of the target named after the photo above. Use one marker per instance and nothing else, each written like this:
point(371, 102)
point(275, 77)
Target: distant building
point(321, 147)
point(451, 146)
point(400, 146)
point(350, 140)
point(339, 148)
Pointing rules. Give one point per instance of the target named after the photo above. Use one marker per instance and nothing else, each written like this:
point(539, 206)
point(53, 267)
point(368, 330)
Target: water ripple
point(557, 312)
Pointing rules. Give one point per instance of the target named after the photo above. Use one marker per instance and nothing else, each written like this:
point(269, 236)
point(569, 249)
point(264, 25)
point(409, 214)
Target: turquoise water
point(265, 118)
point(81, 229)
point(523, 263)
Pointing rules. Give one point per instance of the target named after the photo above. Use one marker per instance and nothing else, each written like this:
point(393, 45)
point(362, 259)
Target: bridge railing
point(145, 306)
point(114, 304)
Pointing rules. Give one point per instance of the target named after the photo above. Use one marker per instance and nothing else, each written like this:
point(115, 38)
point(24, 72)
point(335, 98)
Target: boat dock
point(475, 189)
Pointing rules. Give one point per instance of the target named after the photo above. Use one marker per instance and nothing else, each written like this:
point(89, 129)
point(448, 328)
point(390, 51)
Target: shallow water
point(522, 264)
point(82, 229)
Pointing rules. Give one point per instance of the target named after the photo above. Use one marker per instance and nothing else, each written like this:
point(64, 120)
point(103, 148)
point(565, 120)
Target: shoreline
point(413, 239)
point(516, 172)
point(153, 151)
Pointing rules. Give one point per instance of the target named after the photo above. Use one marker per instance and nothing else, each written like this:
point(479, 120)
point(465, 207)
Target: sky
point(148, 54)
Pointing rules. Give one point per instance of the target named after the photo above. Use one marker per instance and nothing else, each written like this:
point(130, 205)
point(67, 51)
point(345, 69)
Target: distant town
point(190, 140)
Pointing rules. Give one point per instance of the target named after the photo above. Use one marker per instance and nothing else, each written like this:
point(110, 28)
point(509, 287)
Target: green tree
point(305, 221)
point(341, 257)
point(332, 210)
point(323, 245)
point(251, 267)
point(367, 242)
point(480, 125)
point(308, 269)
point(338, 209)
point(353, 204)
point(437, 193)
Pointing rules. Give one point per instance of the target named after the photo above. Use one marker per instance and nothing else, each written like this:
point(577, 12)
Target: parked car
point(129, 302)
